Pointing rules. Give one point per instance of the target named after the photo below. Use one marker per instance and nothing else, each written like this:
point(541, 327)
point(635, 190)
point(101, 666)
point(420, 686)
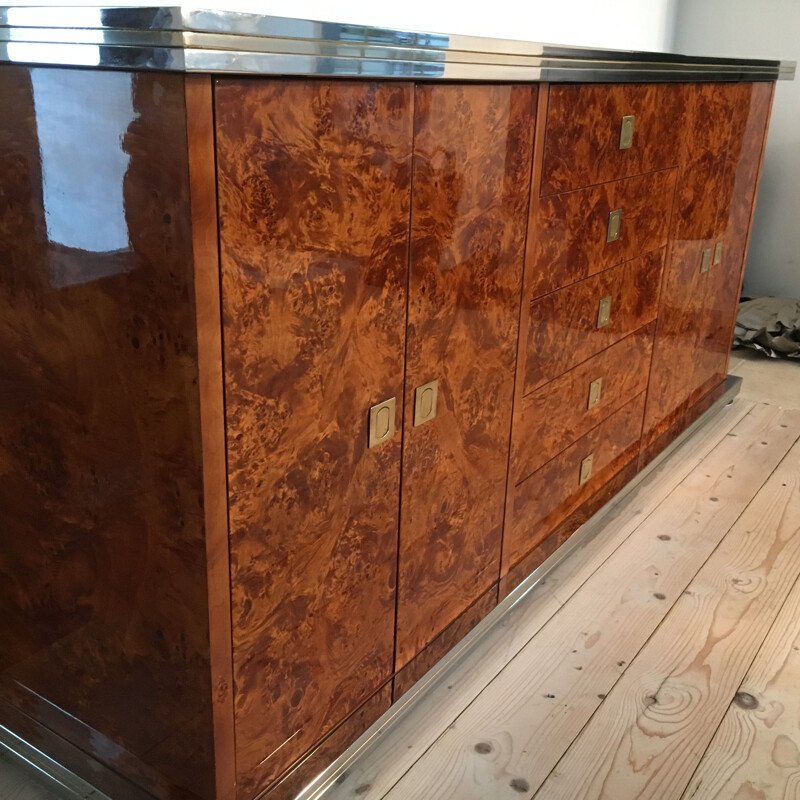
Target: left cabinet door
point(314, 202)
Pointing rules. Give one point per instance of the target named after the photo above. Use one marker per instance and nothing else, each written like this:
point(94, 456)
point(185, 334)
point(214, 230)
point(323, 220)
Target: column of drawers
point(599, 226)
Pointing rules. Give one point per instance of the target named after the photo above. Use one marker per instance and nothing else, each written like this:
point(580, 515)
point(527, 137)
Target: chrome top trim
point(199, 40)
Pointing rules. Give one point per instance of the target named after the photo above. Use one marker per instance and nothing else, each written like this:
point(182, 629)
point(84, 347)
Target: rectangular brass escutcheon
point(614, 225)
point(626, 132)
point(425, 398)
point(604, 312)
point(706, 260)
point(586, 468)
point(717, 254)
point(381, 422)
point(595, 390)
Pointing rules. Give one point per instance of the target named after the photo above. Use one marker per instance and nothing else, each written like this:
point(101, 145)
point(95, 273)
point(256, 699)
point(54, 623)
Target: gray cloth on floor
point(769, 324)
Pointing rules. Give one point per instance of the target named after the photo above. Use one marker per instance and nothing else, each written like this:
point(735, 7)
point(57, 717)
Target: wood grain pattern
point(103, 562)
point(472, 165)
point(571, 228)
point(314, 180)
point(563, 328)
point(680, 314)
point(553, 492)
point(405, 678)
point(740, 224)
point(647, 739)
point(755, 752)
point(583, 127)
point(512, 736)
point(304, 773)
point(686, 418)
point(555, 415)
point(721, 152)
point(749, 109)
point(208, 306)
point(391, 755)
point(564, 530)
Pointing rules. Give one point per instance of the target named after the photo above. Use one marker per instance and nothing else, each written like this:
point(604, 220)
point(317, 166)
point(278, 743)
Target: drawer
point(553, 492)
point(557, 414)
point(582, 139)
point(572, 229)
point(564, 326)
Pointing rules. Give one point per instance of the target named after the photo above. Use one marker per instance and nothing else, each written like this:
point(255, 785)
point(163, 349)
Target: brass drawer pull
point(626, 132)
point(586, 469)
point(425, 398)
point(717, 254)
point(705, 262)
point(604, 312)
point(614, 225)
point(595, 390)
point(381, 422)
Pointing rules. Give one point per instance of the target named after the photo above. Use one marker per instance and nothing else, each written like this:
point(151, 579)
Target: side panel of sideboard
point(314, 189)
point(103, 618)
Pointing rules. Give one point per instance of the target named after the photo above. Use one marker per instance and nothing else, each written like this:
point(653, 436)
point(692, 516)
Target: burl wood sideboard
point(316, 341)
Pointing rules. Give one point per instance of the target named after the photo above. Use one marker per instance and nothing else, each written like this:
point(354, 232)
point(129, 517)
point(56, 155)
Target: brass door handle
point(604, 312)
point(614, 225)
point(626, 132)
point(705, 261)
point(425, 399)
point(586, 469)
point(717, 254)
point(595, 390)
point(381, 422)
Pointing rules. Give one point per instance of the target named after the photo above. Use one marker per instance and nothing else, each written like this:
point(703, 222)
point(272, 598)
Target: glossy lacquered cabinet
point(239, 527)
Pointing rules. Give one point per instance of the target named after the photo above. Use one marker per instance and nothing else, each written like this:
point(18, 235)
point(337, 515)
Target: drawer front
point(553, 492)
point(565, 327)
point(556, 415)
point(584, 122)
point(574, 237)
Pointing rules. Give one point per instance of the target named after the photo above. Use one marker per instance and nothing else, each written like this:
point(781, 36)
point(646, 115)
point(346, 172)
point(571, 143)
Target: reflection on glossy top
point(198, 40)
point(83, 167)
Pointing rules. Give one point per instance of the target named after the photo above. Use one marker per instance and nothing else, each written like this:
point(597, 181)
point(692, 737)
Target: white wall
point(760, 29)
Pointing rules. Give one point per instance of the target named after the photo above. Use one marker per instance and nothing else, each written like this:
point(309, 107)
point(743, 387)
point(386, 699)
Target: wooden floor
point(660, 660)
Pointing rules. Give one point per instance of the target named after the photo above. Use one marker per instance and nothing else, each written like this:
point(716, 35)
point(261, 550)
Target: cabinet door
point(682, 308)
point(724, 136)
point(471, 184)
point(314, 194)
point(747, 112)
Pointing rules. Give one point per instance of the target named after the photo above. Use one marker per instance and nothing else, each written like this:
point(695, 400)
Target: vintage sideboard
point(317, 340)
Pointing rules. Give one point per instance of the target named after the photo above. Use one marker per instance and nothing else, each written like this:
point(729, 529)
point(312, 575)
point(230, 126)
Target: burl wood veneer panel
point(555, 415)
point(564, 530)
point(444, 642)
point(103, 615)
point(583, 128)
point(472, 166)
point(552, 493)
point(748, 106)
point(314, 194)
point(331, 747)
point(563, 332)
point(696, 313)
point(571, 229)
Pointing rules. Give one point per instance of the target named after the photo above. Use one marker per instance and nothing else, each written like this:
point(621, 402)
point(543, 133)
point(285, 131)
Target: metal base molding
point(438, 674)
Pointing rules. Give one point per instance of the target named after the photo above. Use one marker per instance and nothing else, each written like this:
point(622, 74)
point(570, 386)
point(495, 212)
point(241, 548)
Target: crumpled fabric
point(769, 324)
